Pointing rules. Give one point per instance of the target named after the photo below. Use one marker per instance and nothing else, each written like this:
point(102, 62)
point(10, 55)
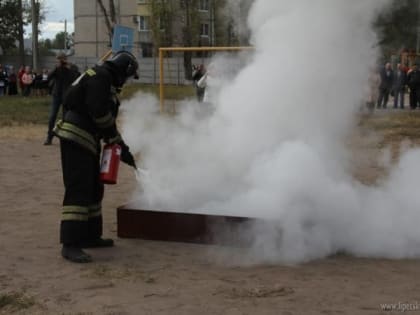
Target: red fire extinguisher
point(110, 163)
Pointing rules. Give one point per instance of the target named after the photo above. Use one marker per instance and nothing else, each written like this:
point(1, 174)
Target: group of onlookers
point(8, 81)
point(387, 82)
point(26, 81)
point(54, 83)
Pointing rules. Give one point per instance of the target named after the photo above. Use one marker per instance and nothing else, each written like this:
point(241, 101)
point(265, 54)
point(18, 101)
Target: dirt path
point(146, 277)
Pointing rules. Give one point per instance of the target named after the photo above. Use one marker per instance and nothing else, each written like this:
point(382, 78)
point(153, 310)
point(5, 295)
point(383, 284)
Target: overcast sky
point(58, 11)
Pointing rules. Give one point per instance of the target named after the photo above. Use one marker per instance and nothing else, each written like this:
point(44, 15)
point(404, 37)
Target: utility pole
point(35, 12)
point(65, 36)
point(212, 9)
point(418, 29)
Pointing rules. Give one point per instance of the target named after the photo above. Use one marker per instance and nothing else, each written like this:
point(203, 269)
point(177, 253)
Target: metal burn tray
point(183, 227)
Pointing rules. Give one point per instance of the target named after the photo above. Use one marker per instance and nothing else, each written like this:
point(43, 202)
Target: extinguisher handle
point(126, 155)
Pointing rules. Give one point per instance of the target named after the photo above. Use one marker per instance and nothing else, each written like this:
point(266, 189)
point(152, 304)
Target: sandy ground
point(149, 277)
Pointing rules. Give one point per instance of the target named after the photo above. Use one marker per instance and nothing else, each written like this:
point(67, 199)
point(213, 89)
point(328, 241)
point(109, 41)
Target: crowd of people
point(387, 82)
point(32, 83)
point(26, 81)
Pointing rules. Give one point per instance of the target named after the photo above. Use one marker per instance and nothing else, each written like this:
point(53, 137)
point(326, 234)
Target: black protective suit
point(91, 107)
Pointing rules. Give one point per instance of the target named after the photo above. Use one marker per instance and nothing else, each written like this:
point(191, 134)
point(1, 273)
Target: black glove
point(126, 155)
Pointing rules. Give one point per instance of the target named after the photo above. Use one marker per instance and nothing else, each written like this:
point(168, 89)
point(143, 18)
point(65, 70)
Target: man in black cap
point(91, 109)
point(413, 82)
point(61, 77)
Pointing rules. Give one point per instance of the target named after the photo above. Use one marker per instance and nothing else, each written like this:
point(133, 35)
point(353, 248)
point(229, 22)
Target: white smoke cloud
point(274, 147)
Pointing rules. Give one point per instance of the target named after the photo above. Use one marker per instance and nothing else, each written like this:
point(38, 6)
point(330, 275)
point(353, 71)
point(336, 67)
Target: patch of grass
point(107, 272)
point(16, 301)
point(394, 126)
point(132, 272)
point(101, 271)
point(171, 92)
point(18, 110)
point(392, 120)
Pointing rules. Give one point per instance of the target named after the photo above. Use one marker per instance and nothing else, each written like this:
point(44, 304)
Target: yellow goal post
point(163, 50)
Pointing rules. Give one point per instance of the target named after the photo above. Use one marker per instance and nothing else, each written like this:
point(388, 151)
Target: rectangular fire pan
point(184, 227)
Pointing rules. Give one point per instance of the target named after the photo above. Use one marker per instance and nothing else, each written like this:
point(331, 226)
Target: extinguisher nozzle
point(141, 173)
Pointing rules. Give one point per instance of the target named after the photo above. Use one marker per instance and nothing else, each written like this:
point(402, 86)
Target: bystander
point(398, 87)
point(385, 86)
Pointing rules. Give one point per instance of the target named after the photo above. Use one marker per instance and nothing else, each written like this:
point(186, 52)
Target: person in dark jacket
point(12, 81)
point(398, 87)
point(198, 73)
point(91, 108)
point(62, 75)
point(3, 81)
point(385, 86)
point(413, 82)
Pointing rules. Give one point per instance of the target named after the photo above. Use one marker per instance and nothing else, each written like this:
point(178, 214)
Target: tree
point(47, 43)
point(397, 26)
point(161, 23)
point(45, 47)
point(186, 17)
point(10, 18)
point(165, 15)
point(14, 15)
point(109, 17)
point(230, 22)
point(58, 42)
point(21, 33)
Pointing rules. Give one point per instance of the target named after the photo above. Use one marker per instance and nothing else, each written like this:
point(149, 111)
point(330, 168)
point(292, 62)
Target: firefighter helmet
point(126, 64)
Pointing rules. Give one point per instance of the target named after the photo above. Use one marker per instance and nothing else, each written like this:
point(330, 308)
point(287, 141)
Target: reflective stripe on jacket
point(91, 108)
point(71, 132)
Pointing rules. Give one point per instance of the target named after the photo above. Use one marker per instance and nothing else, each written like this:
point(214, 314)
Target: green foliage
point(46, 45)
point(396, 26)
point(163, 18)
point(10, 17)
point(58, 42)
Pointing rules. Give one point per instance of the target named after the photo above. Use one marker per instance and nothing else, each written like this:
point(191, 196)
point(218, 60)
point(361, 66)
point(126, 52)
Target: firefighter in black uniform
point(91, 107)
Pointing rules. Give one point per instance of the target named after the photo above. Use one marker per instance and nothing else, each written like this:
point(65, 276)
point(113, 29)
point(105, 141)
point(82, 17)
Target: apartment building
point(144, 16)
point(170, 32)
point(91, 37)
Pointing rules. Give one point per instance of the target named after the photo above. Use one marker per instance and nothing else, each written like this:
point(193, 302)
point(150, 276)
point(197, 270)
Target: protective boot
point(48, 141)
point(75, 254)
point(98, 242)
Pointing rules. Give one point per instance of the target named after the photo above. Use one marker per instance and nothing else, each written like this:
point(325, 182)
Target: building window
point(203, 5)
point(143, 23)
point(204, 30)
